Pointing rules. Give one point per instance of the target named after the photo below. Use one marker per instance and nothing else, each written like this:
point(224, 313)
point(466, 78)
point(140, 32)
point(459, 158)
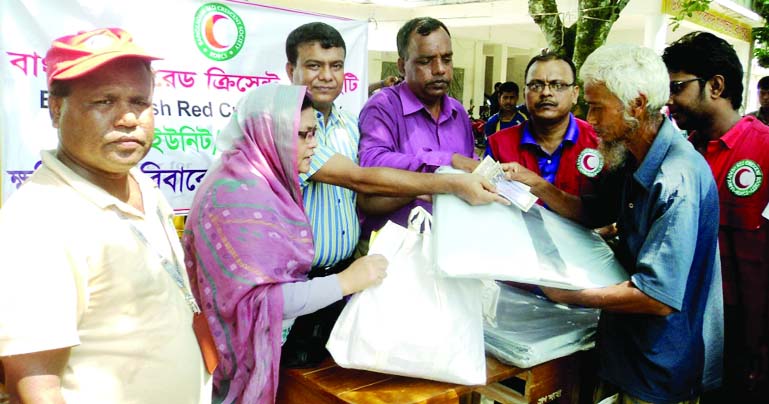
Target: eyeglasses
point(537, 86)
point(307, 134)
point(678, 86)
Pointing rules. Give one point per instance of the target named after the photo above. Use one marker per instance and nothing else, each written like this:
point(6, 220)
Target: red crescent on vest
point(586, 161)
point(738, 177)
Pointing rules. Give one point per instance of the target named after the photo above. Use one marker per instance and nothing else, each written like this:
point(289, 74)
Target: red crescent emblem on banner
point(219, 32)
point(210, 31)
point(589, 161)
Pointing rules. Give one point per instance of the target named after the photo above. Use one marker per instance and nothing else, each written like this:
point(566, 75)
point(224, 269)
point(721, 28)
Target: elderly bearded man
point(659, 336)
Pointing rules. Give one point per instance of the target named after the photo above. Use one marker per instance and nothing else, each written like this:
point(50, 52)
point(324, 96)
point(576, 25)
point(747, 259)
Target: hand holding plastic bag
point(413, 324)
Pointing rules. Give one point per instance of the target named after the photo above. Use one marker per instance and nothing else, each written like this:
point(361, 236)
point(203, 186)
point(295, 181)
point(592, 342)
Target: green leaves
point(688, 8)
point(761, 34)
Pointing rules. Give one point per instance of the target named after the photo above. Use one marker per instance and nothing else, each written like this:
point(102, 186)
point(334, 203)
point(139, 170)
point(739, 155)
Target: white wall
point(464, 57)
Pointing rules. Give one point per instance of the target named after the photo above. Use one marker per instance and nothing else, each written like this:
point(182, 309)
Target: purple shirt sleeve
point(396, 131)
point(300, 298)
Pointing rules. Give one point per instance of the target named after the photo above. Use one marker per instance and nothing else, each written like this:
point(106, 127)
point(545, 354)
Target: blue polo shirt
point(495, 124)
point(548, 163)
point(668, 232)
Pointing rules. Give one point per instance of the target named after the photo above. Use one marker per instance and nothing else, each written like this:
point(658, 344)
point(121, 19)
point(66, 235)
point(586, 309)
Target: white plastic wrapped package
point(504, 243)
point(531, 330)
point(414, 323)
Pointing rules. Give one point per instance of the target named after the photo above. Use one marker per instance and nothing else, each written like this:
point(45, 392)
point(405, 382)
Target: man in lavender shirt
point(415, 125)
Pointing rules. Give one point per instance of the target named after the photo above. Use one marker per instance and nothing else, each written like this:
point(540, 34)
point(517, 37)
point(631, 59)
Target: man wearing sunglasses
point(557, 150)
point(705, 95)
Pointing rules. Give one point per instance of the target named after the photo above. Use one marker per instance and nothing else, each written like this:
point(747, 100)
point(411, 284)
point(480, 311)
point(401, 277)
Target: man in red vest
point(554, 144)
point(705, 95)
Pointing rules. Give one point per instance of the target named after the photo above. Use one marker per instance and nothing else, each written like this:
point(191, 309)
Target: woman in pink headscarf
point(249, 245)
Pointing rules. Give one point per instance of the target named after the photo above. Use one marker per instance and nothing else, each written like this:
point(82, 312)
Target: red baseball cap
point(73, 56)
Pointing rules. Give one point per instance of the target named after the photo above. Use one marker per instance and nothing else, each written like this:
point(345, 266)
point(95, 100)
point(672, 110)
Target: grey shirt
point(300, 298)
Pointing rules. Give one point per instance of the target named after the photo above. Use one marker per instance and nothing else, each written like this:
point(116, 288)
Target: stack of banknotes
point(516, 192)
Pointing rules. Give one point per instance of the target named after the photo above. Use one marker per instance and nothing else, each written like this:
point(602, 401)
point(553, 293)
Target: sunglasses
point(678, 86)
point(307, 134)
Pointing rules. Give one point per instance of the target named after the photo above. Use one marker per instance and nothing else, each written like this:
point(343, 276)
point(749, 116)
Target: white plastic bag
point(415, 323)
point(504, 243)
point(530, 329)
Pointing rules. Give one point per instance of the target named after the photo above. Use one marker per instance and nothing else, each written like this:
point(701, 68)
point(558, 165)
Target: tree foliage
point(688, 8)
point(761, 34)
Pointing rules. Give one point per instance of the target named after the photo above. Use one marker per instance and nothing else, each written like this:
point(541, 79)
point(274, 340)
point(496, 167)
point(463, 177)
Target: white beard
point(614, 154)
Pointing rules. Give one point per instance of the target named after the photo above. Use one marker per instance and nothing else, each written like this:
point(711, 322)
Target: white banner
point(213, 52)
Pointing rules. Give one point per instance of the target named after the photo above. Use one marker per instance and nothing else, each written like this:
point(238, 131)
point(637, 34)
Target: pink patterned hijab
point(245, 235)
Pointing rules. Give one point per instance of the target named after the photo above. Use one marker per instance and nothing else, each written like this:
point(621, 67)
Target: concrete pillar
point(656, 31)
point(479, 71)
point(500, 64)
point(374, 66)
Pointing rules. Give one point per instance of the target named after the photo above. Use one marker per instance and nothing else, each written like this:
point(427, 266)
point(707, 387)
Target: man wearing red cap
point(97, 304)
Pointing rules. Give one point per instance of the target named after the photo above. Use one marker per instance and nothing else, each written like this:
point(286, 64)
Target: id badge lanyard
point(171, 266)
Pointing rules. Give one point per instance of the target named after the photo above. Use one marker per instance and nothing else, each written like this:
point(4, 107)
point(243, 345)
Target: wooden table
point(328, 383)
